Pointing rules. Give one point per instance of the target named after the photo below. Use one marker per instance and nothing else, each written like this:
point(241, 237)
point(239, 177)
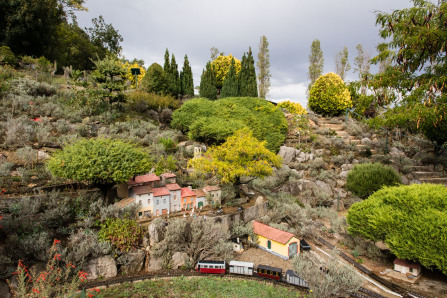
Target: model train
point(247, 268)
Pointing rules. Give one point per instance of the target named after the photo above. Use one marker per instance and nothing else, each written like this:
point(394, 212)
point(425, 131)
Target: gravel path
point(259, 256)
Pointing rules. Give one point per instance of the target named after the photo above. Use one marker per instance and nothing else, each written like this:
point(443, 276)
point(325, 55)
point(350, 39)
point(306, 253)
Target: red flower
point(70, 264)
point(83, 275)
point(56, 242)
point(97, 290)
point(36, 291)
point(57, 256)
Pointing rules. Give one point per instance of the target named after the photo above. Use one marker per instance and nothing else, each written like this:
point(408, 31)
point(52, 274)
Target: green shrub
point(214, 121)
point(7, 56)
point(410, 219)
point(329, 96)
point(122, 233)
point(365, 179)
point(141, 102)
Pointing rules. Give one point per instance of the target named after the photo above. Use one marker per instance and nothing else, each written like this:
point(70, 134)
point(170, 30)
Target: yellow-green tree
point(221, 66)
point(128, 75)
point(292, 107)
point(242, 155)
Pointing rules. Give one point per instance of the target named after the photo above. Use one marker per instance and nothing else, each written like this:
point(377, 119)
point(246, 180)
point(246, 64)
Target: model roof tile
point(271, 233)
point(186, 192)
point(143, 179)
point(173, 186)
point(211, 188)
point(160, 191)
point(199, 193)
point(168, 175)
point(141, 190)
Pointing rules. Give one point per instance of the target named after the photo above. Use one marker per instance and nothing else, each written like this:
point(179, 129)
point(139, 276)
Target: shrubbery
point(329, 96)
point(123, 234)
point(411, 220)
point(292, 107)
point(365, 179)
point(213, 121)
point(141, 102)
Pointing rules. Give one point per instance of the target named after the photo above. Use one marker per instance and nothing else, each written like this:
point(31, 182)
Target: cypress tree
point(247, 76)
point(167, 66)
point(230, 83)
point(187, 84)
point(174, 77)
point(208, 88)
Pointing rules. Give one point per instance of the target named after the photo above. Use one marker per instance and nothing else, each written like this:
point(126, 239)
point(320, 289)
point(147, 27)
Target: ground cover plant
point(199, 287)
point(213, 121)
point(411, 220)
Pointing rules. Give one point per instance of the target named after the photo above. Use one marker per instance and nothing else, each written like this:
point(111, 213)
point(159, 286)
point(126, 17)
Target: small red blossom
point(56, 242)
point(70, 264)
point(36, 291)
point(83, 275)
point(57, 256)
point(97, 290)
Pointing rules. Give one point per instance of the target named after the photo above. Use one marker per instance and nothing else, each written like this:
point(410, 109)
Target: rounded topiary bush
point(329, 95)
point(365, 179)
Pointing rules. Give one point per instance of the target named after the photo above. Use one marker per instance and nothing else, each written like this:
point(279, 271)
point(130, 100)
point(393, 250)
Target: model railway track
point(143, 277)
point(392, 286)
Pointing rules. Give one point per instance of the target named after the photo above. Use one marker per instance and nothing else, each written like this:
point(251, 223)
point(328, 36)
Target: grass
point(199, 287)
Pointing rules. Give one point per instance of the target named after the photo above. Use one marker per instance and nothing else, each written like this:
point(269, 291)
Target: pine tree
point(263, 65)
point(316, 62)
point(174, 77)
point(186, 80)
point(247, 77)
point(208, 87)
point(230, 84)
point(167, 65)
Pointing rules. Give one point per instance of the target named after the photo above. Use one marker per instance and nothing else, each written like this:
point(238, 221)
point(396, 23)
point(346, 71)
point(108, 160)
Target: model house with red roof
point(277, 242)
point(406, 267)
point(215, 193)
point(162, 195)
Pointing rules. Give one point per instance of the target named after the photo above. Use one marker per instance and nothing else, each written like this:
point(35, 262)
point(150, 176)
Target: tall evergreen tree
point(174, 77)
point(186, 80)
point(167, 65)
point(316, 62)
point(247, 76)
point(208, 87)
point(230, 84)
point(263, 65)
point(342, 65)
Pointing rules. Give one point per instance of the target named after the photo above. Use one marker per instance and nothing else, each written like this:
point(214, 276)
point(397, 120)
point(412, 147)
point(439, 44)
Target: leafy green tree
point(242, 155)
point(103, 162)
point(230, 84)
point(364, 179)
point(105, 37)
point(316, 62)
point(329, 95)
point(106, 72)
point(186, 79)
point(414, 43)
point(208, 87)
point(124, 234)
point(342, 65)
point(221, 66)
point(410, 219)
point(155, 80)
point(263, 65)
point(247, 77)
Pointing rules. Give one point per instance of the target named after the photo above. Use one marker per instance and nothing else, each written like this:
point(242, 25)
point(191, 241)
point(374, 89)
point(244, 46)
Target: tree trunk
point(107, 193)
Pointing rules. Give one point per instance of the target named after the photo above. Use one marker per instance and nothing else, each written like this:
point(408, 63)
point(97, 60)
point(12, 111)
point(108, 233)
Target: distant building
point(188, 199)
point(279, 243)
point(200, 198)
point(215, 193)
point(405, 267)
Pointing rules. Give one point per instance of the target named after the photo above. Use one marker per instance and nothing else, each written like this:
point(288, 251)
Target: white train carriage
point(245, 268)
point(295, 279)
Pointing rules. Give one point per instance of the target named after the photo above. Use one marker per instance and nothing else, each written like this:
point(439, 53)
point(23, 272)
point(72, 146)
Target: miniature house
point(405, 267)
point(214, 192)
point(279, 243)
point(237, 245)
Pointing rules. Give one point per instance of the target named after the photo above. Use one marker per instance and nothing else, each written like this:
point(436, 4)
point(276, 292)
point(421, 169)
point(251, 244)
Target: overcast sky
point(192, 27)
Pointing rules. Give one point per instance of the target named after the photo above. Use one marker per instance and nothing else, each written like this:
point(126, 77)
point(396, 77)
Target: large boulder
point(4, 289)
point(179, 259)
point(395, 152)
point(155, 233)
point(288, 154)
point(104, 266)
point(155, 263)
point(132, 262)
point(293, 187)
point(324, 187)
point(338, 205)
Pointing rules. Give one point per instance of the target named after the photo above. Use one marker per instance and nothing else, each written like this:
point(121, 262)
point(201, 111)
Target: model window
point(192, 199)
point(211, 266)
point(204, 266)
point(269, 244)
point(164, 201)
point(175, 198)
point(140, 213)
point(158, 201)
point(139, 202)
point(148, 201)
point(184, 200)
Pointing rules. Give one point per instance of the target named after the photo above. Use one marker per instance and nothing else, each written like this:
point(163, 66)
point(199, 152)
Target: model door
point(292, 249)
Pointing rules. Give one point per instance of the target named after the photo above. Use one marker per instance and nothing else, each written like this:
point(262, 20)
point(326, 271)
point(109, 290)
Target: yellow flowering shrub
point(292, 107)
point(221, 66)
point(127, 66)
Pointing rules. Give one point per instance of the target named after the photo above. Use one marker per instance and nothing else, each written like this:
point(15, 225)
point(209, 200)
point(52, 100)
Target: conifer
point(230, 84)
point(174, 77)
point(247, 76)
point(186, 79)
point(208, 87)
